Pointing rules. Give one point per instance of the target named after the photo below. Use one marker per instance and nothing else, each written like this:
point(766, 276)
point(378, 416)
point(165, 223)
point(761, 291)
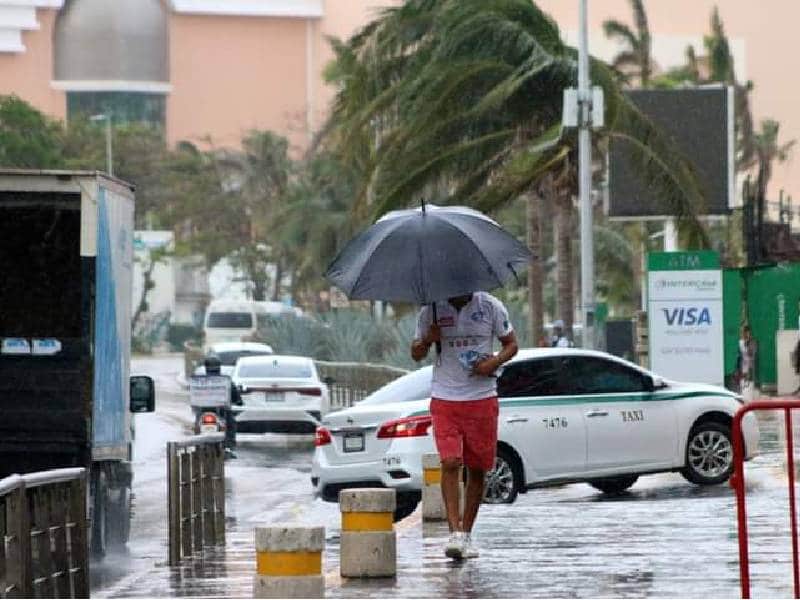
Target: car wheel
point(614, 485)
point(502, 482)
point(406, 504)
point(709, 454)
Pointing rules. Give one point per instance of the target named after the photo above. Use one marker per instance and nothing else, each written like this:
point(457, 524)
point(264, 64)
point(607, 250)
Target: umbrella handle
point(435, 319)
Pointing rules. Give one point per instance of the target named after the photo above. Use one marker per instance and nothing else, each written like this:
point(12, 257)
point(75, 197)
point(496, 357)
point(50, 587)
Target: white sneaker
point(470, 549)
point(455, 546)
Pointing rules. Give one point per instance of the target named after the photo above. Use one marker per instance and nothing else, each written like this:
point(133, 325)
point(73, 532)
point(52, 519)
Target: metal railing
point(195, 495)
point(43, 535)
point(354, 381)
point(737, 483)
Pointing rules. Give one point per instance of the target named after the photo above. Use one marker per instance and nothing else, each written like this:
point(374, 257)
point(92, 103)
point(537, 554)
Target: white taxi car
point(280, 394)
point(566, 415)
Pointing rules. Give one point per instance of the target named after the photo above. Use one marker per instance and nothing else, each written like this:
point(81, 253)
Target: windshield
point(414, 386)
point(276, 368)
point(230, 320)
point(229, 359)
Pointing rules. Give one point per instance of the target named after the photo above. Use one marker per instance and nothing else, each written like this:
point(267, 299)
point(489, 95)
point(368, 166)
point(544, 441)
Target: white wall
point(162, 297)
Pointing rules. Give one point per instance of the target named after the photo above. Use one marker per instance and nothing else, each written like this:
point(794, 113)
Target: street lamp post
point(109, 157)
point(585, 181)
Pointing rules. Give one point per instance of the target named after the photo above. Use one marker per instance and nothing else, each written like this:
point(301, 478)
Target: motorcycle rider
point(213, 368)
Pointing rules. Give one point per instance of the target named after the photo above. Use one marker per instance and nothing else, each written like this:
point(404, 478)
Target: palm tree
point(466, 96)
point(768, 150)
point(315, 221)
point(259, 175)
point(635, 57)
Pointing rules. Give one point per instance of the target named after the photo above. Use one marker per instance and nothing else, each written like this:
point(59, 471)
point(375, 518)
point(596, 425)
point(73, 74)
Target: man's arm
point(420, 347)
point(488, 366)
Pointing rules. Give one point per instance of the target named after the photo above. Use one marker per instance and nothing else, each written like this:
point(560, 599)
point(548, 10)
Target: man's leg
point(476, 479)
point(451, 492)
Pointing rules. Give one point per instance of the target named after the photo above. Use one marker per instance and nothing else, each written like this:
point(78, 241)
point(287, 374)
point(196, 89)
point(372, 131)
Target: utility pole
point(109, 157)
point(585, 181)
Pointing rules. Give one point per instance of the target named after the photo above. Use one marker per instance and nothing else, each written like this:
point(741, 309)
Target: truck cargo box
point(65, 294)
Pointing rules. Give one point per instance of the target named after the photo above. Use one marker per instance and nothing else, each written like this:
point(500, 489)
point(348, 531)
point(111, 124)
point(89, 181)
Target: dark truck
point(66, 395)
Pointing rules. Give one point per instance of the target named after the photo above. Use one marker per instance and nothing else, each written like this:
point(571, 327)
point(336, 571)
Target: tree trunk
point(147, 285)
point(564, 269)
point(638, 233)
point(276, 292)
point(535, 269)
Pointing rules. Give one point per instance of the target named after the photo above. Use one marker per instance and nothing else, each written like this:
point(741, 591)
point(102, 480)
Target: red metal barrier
point(737, 483)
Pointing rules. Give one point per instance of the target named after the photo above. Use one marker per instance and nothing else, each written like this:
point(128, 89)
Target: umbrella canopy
point(427, 254)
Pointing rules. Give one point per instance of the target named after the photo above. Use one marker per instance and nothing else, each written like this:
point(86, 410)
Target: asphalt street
point(666, 538)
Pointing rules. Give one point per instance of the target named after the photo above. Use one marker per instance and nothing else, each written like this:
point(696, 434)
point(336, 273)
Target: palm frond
point(622, 33)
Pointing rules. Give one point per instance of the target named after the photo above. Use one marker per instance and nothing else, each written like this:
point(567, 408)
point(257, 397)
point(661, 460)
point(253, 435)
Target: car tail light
point(301, 391)
point(406, 427)
point(310, 392)
point(323, 437)
point(209, 419)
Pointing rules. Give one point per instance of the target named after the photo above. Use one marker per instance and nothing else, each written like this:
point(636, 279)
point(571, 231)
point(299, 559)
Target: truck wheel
point(118, 521)
point(99, 535)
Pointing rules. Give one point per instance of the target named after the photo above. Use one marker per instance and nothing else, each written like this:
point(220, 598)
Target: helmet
point(213, 364)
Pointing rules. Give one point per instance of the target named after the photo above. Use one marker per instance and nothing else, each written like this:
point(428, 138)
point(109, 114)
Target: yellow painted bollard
point(289, 562)
point(432, 502)
point(369, 544)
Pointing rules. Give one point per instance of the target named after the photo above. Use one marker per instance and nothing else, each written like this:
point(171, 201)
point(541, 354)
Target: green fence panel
point(732, 297)
point(773, 294)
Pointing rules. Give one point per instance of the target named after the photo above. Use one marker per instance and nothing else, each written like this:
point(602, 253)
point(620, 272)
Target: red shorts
point(466, 430)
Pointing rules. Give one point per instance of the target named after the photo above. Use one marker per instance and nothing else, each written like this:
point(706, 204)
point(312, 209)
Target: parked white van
point(238, 320)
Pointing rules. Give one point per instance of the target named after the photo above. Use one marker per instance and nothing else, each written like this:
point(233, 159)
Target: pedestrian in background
point(559, 340)
point(464, 399)
point(746, 363)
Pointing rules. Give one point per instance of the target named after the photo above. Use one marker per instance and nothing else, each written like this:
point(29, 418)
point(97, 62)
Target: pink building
point(217, 68)
point(204, 69)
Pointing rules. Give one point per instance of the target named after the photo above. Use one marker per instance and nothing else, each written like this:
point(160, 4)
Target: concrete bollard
point(289, 562)
point(432, 501)
point(369, 544)
point(433, 508)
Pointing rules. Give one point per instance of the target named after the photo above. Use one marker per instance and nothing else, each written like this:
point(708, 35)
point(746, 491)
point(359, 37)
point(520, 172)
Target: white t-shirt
point(466, 335)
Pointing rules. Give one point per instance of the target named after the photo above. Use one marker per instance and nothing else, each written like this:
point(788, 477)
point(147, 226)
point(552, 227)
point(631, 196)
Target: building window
point(126, 107)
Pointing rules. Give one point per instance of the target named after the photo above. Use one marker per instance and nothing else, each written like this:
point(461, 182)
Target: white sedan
point(280, 394)
point(566, 415)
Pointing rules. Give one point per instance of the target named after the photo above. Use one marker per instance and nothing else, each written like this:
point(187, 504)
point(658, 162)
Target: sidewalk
point(665, 539)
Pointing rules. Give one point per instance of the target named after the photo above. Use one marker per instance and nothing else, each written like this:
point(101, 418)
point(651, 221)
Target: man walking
point(464, 399)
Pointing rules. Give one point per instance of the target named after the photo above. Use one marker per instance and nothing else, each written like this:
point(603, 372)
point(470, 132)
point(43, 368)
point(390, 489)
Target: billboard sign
point(700, 122)
point(684, 308)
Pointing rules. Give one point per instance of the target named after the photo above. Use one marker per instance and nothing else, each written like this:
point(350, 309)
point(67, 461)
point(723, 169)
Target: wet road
point(666, 538)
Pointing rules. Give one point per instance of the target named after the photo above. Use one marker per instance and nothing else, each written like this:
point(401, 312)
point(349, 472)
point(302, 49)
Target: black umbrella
point(427, 254)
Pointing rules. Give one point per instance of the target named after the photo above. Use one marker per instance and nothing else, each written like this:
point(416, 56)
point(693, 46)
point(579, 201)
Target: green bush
point(343, 336)
point(179, 334)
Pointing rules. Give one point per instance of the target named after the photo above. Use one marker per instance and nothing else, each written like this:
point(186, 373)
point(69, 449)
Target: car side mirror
point(143, 394)
point(328, 380)
point(654, 383)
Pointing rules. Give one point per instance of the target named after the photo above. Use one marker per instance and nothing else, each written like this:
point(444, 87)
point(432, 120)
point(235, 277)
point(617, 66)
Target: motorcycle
point(209, 397)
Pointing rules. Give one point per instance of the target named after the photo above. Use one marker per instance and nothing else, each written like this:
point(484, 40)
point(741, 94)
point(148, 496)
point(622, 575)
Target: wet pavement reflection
point(664, 538)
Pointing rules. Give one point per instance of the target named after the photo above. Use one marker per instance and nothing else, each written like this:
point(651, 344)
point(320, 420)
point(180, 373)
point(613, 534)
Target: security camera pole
point(585, 181)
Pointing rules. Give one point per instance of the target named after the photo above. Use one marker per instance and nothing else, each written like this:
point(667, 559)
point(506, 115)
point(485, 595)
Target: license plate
point(353, 442)
point(273, 397)
point(208, 429)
